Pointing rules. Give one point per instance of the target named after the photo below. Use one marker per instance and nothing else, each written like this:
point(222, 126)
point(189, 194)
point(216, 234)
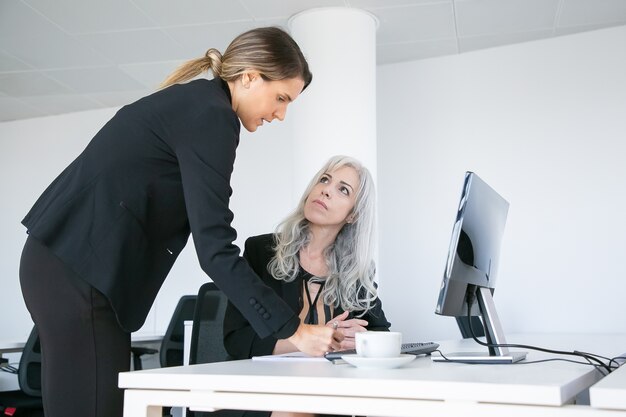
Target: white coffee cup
point(378, 344)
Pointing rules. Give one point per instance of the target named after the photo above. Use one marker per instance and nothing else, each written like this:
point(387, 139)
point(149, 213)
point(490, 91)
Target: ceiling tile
point(113, 53)
point(150, 74)
point(190, 12)
point(568, 30)
point(81, 16)
point(587, 12)
point(389, 53)
point(17, 20)
point(10, 63)
point(391, 3)
point(135, 46)
point(120, 98)
point(272, 9)
point(483, 17)
point(472, 43)
point(415, 23)
point(21, 84)
point(13, 109)
point(65, 103)
point(198, 38)
point(90, 80)
point(56, 50)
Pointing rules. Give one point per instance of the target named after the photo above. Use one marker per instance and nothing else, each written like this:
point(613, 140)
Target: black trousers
point(83, 346)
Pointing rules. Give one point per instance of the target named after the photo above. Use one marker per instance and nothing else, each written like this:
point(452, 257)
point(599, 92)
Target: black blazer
point(240, 339)
point(122, 211)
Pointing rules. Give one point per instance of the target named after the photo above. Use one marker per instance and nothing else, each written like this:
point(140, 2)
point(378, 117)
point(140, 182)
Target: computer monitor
point(472, 267)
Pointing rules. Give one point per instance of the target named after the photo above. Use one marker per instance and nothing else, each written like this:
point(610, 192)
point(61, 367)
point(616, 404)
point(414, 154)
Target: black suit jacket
point(120, 214)
point(240, 339)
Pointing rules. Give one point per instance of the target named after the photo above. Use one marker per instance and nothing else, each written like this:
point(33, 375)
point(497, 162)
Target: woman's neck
point(312, 256)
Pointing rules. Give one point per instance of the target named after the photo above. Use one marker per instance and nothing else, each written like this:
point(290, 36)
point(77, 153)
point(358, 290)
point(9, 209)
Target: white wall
point(544, 123)
point(33, 152)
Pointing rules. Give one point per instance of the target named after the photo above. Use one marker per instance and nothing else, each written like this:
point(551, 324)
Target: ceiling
point(59, 56)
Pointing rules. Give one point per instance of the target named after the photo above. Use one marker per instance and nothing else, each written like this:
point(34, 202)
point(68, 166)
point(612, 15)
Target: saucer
point(378, 363)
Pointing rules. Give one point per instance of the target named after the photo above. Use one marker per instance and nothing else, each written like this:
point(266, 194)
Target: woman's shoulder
point(205, 94)
point(261, 244)
point(266, 240)
point(186, 106)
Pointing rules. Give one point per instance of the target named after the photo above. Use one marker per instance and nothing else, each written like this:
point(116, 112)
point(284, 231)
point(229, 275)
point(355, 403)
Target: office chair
point(27, 400)
point(171, 349)
point(207, 336)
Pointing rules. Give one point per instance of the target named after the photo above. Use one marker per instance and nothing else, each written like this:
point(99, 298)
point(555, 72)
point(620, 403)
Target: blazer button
point(257, 306)
point(266, 316)
point(262, 310)
point(252, 301)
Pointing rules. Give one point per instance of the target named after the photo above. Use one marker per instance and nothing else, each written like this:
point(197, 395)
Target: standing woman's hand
point(348, 328)
point(316, 339)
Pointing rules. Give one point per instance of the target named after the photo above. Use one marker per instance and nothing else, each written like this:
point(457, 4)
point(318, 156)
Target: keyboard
point(418, 348)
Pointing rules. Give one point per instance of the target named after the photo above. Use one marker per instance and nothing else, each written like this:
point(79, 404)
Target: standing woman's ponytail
point(212, 60)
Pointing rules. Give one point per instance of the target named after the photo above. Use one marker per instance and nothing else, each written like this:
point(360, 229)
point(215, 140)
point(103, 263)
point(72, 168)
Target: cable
point(517, 363)
point(615, 359)
point(9, 369)
point(589, 357)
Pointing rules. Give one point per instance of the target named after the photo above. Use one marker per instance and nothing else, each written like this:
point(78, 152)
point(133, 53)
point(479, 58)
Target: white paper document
point(291, 356)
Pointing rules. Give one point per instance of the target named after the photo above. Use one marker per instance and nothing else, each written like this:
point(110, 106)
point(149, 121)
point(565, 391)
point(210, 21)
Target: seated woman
point(320, 261)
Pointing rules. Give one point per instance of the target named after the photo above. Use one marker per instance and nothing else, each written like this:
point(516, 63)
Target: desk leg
point(137, 404)
point(149, 403)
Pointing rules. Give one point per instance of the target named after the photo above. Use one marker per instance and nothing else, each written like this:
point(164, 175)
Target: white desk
point(7, 346)
point(610, 393)
point(423, 387)
point(10, 346)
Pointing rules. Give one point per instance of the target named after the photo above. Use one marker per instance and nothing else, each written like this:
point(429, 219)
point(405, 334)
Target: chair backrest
point(207, 336)
point(172, 349)
point(29, 372)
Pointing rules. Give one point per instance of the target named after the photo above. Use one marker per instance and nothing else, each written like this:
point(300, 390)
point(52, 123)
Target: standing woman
point(104, 235)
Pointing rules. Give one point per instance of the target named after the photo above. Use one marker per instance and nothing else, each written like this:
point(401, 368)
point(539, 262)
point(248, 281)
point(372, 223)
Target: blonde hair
point(269, 50)
point(350, 259)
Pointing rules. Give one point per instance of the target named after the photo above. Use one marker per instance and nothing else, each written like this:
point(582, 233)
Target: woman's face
point(256, 100)
point(332, 199)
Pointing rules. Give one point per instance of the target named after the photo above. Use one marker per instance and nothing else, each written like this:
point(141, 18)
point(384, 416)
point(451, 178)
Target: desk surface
point(610, 392)
point(545, 384)
point(7, 346)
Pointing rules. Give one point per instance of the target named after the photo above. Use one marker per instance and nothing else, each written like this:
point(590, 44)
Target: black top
point(121, 212)
point(240, 339)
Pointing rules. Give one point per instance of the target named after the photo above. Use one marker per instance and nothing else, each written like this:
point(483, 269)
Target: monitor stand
point(494, 334)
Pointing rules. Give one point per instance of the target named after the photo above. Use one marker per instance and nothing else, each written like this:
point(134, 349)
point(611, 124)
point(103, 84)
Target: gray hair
point(350, 259)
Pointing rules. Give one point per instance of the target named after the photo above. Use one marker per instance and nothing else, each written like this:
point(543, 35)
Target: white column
point(336, 114)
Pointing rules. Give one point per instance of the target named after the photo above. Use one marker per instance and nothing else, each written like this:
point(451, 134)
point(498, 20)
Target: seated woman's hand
point(316, 339)
point(348, 328)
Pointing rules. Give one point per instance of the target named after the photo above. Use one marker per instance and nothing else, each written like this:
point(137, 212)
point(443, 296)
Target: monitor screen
point(472, 265)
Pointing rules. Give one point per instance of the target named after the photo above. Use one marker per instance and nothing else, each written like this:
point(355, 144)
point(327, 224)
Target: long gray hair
point(350, 259)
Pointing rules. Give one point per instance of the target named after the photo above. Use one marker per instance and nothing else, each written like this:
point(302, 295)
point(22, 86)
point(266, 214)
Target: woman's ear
point(245, 80)
point(248, 77)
